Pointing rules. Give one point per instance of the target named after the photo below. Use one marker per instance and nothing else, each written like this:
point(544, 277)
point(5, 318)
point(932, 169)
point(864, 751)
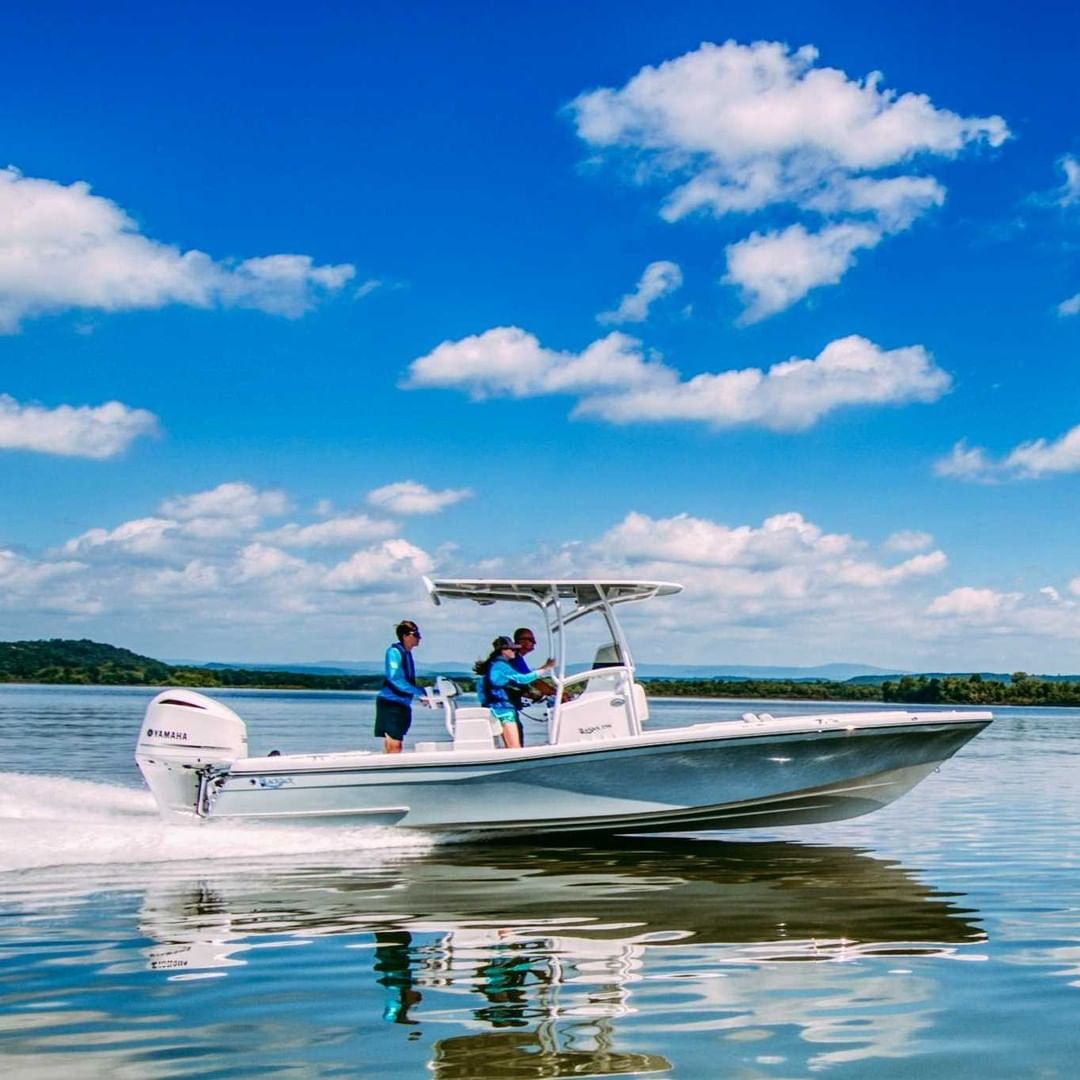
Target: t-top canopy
point(583, 592)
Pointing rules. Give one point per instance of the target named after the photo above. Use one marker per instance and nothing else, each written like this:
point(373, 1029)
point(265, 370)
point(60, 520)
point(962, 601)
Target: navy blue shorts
point(392, 718)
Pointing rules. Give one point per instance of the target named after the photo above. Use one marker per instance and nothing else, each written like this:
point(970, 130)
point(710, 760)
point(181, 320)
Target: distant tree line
point(795, 689)
point(1021, 689)
point(87, 662)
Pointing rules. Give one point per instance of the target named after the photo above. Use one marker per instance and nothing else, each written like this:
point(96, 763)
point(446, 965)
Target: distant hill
point(64, 661)
point(84, 662)
point(837, 672)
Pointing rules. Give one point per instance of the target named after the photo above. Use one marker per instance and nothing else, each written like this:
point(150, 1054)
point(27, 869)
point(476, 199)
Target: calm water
point(938, 938)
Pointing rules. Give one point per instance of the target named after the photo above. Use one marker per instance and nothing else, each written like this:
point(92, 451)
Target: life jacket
point(492, 696)
point(408, 669)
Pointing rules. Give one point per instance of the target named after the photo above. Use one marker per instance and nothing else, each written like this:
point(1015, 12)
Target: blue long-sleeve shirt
point(500, 676)
point(399, 673)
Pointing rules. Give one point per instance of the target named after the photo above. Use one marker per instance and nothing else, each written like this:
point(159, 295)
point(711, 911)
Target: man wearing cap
point(525, 640)
point(497, 677)
point(393, 705)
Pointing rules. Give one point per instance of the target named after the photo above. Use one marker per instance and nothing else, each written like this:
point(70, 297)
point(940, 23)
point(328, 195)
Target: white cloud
point(62, 247)
point(782, 590)
point(210, 557)
point(367, 288)
point(781, 539)
point(98, 432)
point(143, 536)
point(379, 566)
point(257, 561)
point(870, 575)
point(409, 497)
point(786, 552)
point(230, 500)
point(1028, 461)
point(965, 463)
point(741, 128)
point(657, 280)
point(508, 362)
point(1069, 192)
point(49, 586)
point(616, 382)
point(196, 578)
point(973, 604)
point(908, 540)
point(776, 269)
point(334, 532)
point(1070, 306)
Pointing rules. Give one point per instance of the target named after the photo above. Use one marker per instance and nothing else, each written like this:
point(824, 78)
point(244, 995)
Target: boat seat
point(472, 729)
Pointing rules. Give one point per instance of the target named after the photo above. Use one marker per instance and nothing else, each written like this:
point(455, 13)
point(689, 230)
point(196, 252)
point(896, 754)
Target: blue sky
point(298, 304)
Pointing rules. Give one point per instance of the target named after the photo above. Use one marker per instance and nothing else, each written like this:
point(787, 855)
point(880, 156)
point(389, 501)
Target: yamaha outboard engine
point(184, 737)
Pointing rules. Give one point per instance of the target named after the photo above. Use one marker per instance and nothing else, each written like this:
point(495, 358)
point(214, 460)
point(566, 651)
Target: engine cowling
point(183, 733)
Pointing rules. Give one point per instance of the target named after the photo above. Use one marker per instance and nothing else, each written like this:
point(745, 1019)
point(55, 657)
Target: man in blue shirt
point(525, 640)
point(393, 706)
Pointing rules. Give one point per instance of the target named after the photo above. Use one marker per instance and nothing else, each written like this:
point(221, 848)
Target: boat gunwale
point(373, 761)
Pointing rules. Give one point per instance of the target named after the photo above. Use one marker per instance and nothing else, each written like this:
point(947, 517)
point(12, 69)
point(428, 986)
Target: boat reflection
point(536, 958)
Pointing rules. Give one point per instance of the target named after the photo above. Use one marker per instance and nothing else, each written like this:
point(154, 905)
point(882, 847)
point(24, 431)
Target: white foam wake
point(53, 821)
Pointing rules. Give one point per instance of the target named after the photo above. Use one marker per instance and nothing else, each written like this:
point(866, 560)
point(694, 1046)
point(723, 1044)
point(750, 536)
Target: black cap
point(503, 642)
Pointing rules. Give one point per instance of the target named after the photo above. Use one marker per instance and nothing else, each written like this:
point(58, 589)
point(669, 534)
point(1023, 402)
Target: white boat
point(601, 768)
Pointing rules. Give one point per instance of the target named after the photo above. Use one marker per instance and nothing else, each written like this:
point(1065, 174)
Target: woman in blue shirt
point(496, 675)
point(393, 706)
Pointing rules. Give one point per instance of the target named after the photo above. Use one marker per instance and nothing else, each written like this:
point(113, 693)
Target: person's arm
point(395, 674)
point(503, 673)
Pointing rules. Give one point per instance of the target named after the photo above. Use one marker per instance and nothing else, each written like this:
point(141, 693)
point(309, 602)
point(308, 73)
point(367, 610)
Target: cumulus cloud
point(615, 381)
point(657, 280)
point(185, 525)
point(331, 533)
point(230, 500)
point(776, 269)
point(974, 604)
point(785, 544)
point(1027, 461)
point(97, 432)
point(143, 536)
point(392, 559)
point(785, 589)
point(409, 497)
point(62, 247)
point(209, 555)
point(508, 362)
point(743, 128)
point(907, 540)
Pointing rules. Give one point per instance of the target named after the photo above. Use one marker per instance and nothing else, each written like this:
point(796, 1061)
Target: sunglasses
point(413, 633)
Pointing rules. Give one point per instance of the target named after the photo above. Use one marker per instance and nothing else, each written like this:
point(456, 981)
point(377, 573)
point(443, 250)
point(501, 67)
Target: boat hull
point(722, 776)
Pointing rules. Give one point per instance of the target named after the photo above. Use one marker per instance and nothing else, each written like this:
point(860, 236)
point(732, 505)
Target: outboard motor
point(184, 737)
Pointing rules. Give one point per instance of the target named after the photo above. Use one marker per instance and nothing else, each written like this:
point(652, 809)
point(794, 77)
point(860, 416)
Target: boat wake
point(51, 821)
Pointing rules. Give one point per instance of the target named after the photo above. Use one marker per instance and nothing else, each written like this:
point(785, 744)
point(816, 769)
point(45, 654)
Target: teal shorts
point(500, 717)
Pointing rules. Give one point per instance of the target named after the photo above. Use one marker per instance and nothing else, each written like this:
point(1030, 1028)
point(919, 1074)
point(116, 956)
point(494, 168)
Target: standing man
point(525, 640)
point(393, 706)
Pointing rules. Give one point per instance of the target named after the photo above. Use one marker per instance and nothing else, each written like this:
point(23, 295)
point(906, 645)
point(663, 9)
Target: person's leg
point(510, 735)
point(392, 721)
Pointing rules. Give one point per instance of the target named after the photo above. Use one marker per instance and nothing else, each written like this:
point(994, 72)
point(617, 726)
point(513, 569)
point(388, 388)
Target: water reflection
point(544, 955)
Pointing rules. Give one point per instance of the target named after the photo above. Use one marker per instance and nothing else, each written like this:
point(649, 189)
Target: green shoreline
point(89, 663)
